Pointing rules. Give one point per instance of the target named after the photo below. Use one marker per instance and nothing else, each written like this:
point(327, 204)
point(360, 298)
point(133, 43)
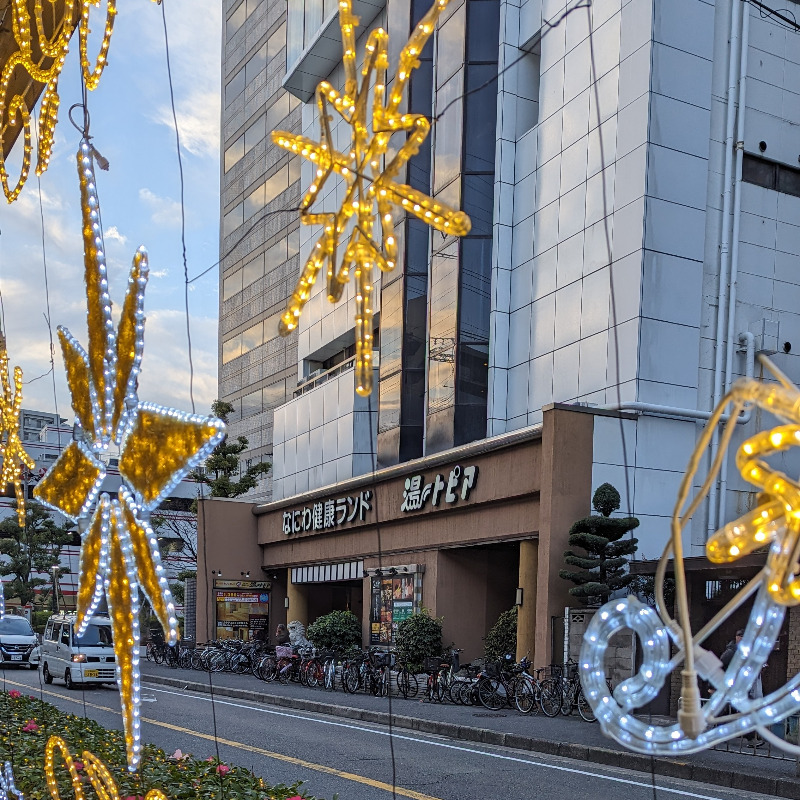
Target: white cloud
point(159, 273)
point(114, 234)
point(198, 122)
point(165, 211)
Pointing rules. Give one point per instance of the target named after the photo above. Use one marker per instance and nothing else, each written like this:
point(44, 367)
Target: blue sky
point(131, 125)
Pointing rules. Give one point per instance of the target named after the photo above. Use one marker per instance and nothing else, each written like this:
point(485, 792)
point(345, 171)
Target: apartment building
point(631, 173)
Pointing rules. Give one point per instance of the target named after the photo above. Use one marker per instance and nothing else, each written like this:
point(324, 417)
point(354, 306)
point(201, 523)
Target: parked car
point(19, 645)
point(88, 659)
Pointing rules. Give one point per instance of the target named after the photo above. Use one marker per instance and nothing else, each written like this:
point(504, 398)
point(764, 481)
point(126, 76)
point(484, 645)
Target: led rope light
point(773, 524)
point(158, 447)
point(98, 774)
point(54, 50)
point(371, 191)
point(12, 452)
point(8, 789)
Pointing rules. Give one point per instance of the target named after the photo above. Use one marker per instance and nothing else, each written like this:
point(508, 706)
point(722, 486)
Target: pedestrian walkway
point(569, 737)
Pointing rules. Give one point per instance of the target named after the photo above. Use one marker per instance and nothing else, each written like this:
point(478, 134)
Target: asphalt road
point(354, 759)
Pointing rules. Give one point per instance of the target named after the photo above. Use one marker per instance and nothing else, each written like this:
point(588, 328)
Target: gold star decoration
point(12, 452)
point(371, 186)
point(158, 446)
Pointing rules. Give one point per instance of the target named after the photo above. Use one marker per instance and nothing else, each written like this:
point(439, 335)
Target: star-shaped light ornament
point(158, 446)
point(370, 175)
point(12, 452)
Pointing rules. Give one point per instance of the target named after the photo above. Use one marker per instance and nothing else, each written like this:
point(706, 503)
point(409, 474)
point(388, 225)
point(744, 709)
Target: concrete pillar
point(298, 602)
point(526, 613)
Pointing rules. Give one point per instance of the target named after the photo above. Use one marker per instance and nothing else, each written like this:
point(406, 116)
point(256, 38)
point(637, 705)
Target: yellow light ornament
point(98, 774)
point(372, 191)
point(12, 452)
point(53, 50)
point(158, 446)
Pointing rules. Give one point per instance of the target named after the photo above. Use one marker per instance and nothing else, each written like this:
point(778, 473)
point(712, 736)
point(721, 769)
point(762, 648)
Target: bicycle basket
point(432, 664)
point(572, 671)
point(383, 659)
point(284, 651)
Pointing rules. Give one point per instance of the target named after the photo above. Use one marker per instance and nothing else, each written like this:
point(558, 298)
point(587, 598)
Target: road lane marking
point(383, 732)
point(350, 776)
point(418, 740)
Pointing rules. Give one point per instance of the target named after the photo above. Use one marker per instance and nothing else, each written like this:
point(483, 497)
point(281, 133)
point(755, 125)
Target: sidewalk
point(569, 737)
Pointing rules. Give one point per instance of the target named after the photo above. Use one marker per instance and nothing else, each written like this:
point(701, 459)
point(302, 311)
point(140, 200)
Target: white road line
point(459, 748)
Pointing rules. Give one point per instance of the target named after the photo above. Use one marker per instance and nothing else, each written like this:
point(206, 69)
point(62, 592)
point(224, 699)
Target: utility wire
point(183, 206)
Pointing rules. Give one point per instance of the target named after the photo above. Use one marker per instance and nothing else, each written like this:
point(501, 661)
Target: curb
point(717, 776)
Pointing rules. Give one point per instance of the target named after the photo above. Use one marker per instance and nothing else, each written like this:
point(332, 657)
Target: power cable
point(766, 11)
point(183, 206)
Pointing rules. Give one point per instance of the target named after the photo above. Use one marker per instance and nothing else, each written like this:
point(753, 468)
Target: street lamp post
point(55, 570)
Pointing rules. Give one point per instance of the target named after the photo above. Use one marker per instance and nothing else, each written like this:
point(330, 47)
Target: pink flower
point(133, 797)
point(78, 765)
point(210, 758)
point(31, 696)
point(179, 756)
point(222, 769)
point(30, 726)
point(296, 797)
point(14, 694)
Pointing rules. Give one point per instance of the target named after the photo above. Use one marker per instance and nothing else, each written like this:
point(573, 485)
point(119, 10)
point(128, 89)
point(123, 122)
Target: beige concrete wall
point(227, 541)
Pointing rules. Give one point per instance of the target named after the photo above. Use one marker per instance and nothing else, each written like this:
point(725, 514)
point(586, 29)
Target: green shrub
point(502, 638)
point(39, 620)
point(183, 779)
point(339, 630)
point(417, 638)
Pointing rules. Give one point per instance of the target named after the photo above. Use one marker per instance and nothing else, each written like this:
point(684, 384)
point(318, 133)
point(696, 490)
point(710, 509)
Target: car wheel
point(68, 682)
point(48, 678)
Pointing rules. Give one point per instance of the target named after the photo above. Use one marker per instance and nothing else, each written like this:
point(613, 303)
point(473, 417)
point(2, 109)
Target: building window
point(236, 20)
point(234, 153)
point(771, 175)
point(234, 87)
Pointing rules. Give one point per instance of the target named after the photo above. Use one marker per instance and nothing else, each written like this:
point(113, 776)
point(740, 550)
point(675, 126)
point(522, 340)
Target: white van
point(89, 659)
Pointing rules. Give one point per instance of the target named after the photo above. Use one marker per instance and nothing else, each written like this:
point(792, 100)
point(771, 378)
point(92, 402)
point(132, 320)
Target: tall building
point(631, 173)
point(259, 237)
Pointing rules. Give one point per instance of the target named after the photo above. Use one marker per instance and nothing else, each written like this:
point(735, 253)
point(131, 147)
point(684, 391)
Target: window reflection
point(231, 285)
point(448, 129)
point(234, 153)
point(234, 87)
point(233, 219)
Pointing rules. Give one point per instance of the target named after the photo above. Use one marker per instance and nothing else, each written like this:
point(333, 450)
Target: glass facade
point(404, 299)
point(259, 244)
point(463, 174)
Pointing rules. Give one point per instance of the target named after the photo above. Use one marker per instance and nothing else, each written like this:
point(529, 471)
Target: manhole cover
point(487, 714)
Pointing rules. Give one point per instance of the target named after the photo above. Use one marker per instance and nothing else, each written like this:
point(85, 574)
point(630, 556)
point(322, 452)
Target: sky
point(132, 126)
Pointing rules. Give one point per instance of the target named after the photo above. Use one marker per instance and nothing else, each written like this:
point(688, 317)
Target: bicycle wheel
point(568, 699)
point(584, 709)
point(351, 679)
point(329, 672)
point(550, 697)
point(490, 694)
point(454, 692)
point(524, 696)
point(407, 684)
point(314, 673)
point(268, 669)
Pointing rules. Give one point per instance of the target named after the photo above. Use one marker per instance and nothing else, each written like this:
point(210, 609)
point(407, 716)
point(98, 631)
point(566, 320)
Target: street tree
point(222, 471)
point(602, 569)
point(32, 551)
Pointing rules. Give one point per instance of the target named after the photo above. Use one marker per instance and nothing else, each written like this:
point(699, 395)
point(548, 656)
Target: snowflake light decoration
point(371, 185)
point(158, 446)
point(733, 707)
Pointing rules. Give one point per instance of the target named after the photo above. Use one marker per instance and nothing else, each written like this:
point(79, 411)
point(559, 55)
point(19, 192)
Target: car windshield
point(96, 636)
point(15, 626)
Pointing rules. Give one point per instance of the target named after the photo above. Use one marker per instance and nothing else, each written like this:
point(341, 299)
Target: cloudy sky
point(131, 125)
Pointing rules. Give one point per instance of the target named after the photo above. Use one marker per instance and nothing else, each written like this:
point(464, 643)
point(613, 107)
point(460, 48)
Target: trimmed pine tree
point(603, 568)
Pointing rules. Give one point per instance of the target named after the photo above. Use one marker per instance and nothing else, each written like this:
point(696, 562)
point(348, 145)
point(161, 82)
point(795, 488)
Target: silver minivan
point(88, 659)
point(19, 645)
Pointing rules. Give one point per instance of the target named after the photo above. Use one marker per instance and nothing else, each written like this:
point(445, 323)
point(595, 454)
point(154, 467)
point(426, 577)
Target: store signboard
point(225, 584)
point(391, 602)
point(328, 514)
point(440, 491)
point(242, 608)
